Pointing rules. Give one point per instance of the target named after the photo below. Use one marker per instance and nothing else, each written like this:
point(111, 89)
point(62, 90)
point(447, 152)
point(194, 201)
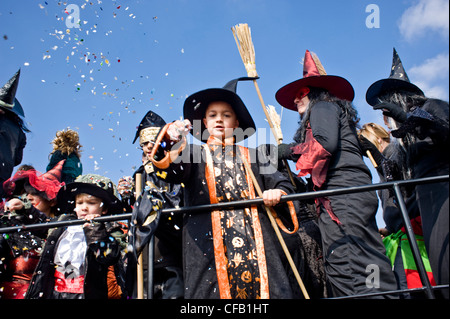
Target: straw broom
point(242, 36)
point(276, 121)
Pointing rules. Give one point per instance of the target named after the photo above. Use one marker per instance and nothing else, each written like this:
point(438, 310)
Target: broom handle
point(266, 113)
point(279, 140)
point(277, 232)
point(140, 266)
point(369, 155)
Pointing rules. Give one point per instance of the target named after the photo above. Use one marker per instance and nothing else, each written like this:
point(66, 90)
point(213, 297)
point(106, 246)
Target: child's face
point(88, 206)
point(41, 203)
point(220, 120)
point(146, 149)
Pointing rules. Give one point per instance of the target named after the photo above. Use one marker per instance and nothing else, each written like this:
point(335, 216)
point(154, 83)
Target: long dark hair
point(17, 119)
point(317, 95)
point(407, 101)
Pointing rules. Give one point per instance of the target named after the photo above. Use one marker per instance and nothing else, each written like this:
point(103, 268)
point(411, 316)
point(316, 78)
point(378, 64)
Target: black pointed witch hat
point(195, 107)
point(150, 120)
point(8, 99)
point(398, 81)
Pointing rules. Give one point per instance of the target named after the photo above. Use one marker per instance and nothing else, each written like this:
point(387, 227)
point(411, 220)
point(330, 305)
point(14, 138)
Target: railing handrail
point(235, 204)
point(426, 286)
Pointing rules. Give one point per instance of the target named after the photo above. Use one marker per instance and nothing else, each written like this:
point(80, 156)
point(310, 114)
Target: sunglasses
point(304, 91)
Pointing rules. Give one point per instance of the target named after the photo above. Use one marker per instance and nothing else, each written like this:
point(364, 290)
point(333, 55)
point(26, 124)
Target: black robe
point(12, 143)
point(201, 273)
point(429, 156)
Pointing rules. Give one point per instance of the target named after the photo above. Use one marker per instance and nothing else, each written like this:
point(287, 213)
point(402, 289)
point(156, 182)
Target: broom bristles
point(242, 36)
point(276, 121)
point(319, 65)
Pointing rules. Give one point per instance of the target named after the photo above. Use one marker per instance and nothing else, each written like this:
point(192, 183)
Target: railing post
point(412, 242)
point(140, 265)
point(150, 267)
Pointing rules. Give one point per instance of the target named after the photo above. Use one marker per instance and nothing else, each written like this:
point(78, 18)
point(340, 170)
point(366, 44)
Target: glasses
point(304, 91)
point(145, 144)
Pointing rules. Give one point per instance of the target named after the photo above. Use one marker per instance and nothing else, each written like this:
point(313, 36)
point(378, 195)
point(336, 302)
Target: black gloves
point(366, 145)
point(284, 151)
point(392, 110)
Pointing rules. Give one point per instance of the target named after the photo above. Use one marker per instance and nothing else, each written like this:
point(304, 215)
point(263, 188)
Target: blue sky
point(128, 57)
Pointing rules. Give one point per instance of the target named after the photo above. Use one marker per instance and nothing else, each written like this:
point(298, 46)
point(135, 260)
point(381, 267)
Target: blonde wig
point(373, 132)
point(68, 142)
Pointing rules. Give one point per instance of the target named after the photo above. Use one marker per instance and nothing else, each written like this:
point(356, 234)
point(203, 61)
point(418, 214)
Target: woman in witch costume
point(421, 126)
point(229, 253)
point(326, 147)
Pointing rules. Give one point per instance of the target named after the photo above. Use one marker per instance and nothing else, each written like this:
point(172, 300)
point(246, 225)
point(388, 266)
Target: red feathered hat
point(314, 75)
point(46, 185)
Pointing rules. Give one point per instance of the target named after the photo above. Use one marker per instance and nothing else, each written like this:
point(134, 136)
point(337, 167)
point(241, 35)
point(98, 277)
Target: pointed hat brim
point(384, 86)
point(196, 104)
point(151, 119)
point(398, 80)
point(336, 85)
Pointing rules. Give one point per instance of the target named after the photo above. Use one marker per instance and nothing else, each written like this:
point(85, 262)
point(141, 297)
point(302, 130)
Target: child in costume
point(66, 145)
point(227, 253)
point(421, 126)
point(75, 260)
point(31, 200)
point(326, 147)
point(167, 264)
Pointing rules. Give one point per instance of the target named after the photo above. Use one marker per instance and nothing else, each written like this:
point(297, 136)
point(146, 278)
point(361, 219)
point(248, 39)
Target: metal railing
point(427, 288)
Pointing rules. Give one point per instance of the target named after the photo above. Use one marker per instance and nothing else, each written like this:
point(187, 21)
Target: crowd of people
point(333, 243)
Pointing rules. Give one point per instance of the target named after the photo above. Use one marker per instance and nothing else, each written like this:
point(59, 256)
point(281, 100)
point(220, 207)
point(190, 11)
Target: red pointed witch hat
point(314, 75)
point(56, 172)
point(46, 185)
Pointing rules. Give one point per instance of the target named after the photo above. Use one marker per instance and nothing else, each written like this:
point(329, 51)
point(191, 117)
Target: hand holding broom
point(277, 232)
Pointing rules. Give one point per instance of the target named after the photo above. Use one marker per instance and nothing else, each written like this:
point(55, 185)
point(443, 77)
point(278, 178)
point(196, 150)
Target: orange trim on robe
point(219, 249)
point(260, 252)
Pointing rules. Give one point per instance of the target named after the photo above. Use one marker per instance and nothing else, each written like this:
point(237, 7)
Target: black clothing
point(12, 143)
point(102, 252)
point(429, 156)
point(350, 238)
point(167, 263)
point(200, 273)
